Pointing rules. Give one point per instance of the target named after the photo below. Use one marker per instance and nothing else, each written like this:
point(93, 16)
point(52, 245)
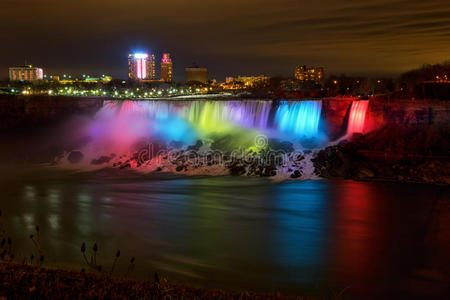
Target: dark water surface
point(311, 237)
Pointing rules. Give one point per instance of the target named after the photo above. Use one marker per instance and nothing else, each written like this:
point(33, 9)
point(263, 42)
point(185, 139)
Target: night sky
point(370, 37)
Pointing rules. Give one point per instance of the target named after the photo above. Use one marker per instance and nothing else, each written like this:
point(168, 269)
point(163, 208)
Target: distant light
point(140, 55)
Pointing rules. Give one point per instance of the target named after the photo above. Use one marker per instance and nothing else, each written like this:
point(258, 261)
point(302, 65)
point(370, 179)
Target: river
point(296, 237)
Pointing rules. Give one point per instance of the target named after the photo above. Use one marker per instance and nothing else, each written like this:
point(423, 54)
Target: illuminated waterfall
point(125, 127)
point(357, 116)
point(299, 118)
point(124, 122)
point(219, 115)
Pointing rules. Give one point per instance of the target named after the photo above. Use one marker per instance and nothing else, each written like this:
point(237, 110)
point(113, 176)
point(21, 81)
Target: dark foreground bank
point(29, 282)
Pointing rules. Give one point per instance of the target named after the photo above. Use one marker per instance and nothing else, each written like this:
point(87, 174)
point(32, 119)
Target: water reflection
point(300, 230)
point(226, 232)
point(356, 249)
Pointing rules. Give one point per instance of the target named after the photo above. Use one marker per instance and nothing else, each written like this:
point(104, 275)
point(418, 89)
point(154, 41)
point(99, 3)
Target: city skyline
point(255, 37)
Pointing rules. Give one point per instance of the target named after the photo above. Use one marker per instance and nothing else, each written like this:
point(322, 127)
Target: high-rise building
point(26, 73)
point(141, 66)
point(166, 68)
point(196, 74)
point(304, 73)
point(152, 67)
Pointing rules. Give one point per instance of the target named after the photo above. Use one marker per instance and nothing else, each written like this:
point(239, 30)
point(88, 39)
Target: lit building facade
point(152, 67)
point(87, 79)
point(166, 68)
point(304, 73)
point(26, 73)
point(196, 74)
point(247, 81)
point(141, 66)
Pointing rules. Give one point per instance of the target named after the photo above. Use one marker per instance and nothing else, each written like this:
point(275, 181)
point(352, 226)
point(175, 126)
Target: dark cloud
point(228, 37)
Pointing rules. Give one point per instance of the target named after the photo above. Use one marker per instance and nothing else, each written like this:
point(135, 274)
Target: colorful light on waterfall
point(232, 124)
point(299, 118)
point(357, 116)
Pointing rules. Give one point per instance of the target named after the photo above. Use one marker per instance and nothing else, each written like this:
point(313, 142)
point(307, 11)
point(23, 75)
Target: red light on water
point(357, 116)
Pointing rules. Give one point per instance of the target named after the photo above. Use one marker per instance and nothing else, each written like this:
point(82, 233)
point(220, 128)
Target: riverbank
point(392, 153)
point(30, 282)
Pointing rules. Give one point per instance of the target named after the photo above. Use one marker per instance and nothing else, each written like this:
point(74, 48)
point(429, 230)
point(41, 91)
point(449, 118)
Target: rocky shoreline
point(398, 154)
point(277, 159)
point(393, 153)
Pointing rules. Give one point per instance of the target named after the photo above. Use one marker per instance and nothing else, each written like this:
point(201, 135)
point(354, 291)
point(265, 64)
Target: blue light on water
point(172, 128)
point(300, 118)
point(300, 229)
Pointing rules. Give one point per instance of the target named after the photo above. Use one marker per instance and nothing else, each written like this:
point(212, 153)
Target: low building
point(247, 81)
point(26, 73)
point(196, 74)
point(84, 79)
point(304, 73)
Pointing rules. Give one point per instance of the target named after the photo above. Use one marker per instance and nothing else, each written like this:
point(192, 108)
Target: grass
point(33, 282)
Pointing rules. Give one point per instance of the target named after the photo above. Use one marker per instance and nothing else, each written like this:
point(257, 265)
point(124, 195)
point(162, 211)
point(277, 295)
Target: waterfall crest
point(357, 116)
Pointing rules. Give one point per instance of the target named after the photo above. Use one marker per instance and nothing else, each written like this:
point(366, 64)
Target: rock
point(356, 136)
point(179, 168)
point(195, 147)
point(299, 157)
point(101, 160)
point(277, 145)
point(75, 157)
point(269, 171)
point(296, 174)
point(364, 173)
point(125, 166)
point(175, 145)
point(237, 170)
